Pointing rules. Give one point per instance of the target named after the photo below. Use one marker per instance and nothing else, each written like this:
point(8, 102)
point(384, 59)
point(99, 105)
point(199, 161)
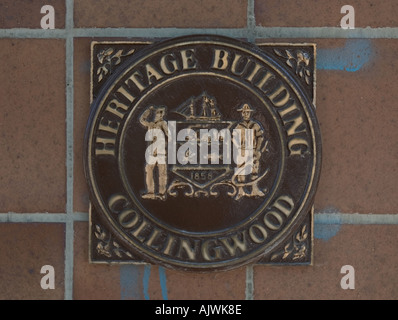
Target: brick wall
point(44, 100)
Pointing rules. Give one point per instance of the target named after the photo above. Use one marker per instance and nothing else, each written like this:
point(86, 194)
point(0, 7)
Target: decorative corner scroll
point(108, 247)
point(296, 248)
point(108, 59)
point(299, 61)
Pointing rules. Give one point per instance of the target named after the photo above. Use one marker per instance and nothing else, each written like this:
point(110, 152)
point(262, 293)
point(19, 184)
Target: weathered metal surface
point(202, 153)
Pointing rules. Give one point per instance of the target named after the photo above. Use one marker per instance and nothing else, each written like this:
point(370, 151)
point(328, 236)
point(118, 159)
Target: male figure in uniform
point(159, 123)
point(258, 137)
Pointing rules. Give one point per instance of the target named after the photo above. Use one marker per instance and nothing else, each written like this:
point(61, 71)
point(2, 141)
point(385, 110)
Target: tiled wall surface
point(44, 101)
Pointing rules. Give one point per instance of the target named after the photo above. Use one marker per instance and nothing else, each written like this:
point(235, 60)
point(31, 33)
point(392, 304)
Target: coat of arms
point(202, 153)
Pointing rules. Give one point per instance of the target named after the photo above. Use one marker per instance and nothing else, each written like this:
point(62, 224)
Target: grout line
point(319, 218)
point(251, 31)
point(251, 37)
point(249, 292)
point(356, 218)
point(69, 123)
point(33, 33)
point(157, 33)
point(69, 228)
point(13, 217)
point(33, 217)
point(326, 32)
point(251, 21)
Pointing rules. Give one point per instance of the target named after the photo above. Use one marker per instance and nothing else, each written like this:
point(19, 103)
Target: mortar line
point(251, 21)
point(319, 217)
point(69, 227)
point(249, 291)
point(326, 32)
point(12, 217)
point(251, 37)
point(356, 218)
point(258, 32)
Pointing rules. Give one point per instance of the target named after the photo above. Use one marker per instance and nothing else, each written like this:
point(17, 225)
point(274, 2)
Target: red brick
point(32, 131)
point(27, 14)
point(314, 13)
point(369, 249)
point(161, 13)
point(25, 249)
point(359, 128)
point(81, 114)
point(111, 282)
point(92, 281)
point(227, 285)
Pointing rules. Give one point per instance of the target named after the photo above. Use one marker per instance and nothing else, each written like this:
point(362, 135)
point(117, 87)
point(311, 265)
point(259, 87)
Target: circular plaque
point(203, 152)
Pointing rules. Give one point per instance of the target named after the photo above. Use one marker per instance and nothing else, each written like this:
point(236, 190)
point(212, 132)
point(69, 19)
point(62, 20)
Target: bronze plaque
point(202, 153)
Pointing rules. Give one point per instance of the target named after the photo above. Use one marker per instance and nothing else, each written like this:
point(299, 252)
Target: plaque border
point(264, 260)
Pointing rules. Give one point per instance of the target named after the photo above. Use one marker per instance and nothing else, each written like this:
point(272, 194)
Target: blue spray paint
point(352, 57)
point(130, 282)
point(326, 231)
point(145, 280)
point(328, 224)
point(134, 282)
point(163, 282)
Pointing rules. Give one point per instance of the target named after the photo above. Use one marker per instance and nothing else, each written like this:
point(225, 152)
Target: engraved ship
point(201, 108)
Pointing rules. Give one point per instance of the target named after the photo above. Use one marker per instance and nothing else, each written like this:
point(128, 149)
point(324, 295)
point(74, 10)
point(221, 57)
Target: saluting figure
point(158, 123)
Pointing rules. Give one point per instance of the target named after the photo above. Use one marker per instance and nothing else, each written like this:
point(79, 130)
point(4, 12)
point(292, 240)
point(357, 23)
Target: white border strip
point(69, 228)
point(251, 36)
point(319, 218)
point(251, 21)
point(356, 218)
point(327, 32)
point(249, 291)
point(13, 217)
point(250, 32)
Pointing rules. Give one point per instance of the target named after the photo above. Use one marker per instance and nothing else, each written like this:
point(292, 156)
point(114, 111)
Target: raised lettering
point(297, 146)
point(295, 123)
point(210, 251)
point(220, 59)
point(254, 72)
point(153, 237)
point(239, 62)
point(264, 80)
point(257, 233)
point(168, 64)
point(273, 220)
point(188, 59)
point(234, 243)
point(151, 73)
point(284, 204)
point(186, 247)
point(115, 107)
point(105, 146)
point(128, 218)
point(280, 96)
point(136, 78)
point(117, 202)
point(136, 232)
point(108, 126)
point(169, 245)
point(126, 94)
